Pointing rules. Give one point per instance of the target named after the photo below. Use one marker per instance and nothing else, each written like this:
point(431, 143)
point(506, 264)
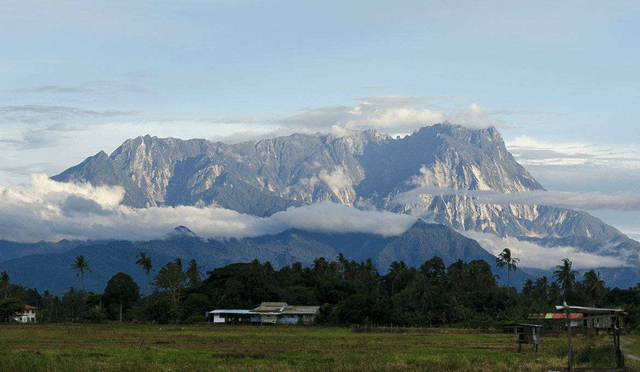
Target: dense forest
point(349, 292)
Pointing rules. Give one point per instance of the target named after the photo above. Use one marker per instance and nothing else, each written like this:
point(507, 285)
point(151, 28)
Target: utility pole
point(569, 352)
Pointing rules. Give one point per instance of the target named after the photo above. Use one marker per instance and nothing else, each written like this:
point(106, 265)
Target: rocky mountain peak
point(182, 232)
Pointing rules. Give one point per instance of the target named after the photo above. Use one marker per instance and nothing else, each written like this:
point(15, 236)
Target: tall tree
point(171, 278)
point(4, 283)
point(542, 289)
point(594, 287)
point(9, 307)
point(121, 291)
point(193, 272)
point(565, 277)
point(397, 273)
point(144, 261)
point(81, 265)
point(506, 259)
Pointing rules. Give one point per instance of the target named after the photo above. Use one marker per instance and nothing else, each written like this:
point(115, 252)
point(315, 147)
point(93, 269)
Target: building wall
point(288, 319)
point(270, 319)
point(26, 317)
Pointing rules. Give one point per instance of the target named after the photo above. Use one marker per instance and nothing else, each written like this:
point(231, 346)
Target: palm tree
point(4, 283)
point(506, 259)
point(566, 277)
point(542, 288)
point(81, 265)
point(144, 261)
point(593, 286)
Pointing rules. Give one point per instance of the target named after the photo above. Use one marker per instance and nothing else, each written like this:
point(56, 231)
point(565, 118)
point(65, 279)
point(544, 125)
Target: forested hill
point(51, 270)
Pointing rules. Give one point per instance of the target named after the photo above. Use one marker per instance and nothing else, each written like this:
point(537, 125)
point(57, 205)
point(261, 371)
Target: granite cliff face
point(361, 169)
point(302, 169)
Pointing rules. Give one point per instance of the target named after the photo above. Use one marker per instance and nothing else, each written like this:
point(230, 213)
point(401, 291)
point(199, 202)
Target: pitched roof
point(590, 310)
point(271, 307)
point(29, 307)
point(301, 310)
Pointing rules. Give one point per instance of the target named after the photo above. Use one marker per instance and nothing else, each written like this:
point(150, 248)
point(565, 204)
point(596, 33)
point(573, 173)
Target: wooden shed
point(590, 318)
point(525, 334)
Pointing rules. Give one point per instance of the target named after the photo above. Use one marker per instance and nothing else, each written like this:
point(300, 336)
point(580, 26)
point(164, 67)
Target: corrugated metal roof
point(590, 310)
point(269, 307)
point(301, 310)
point(229, 311)
point(273, 308)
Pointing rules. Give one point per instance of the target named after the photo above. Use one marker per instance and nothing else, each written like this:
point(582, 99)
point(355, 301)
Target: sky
point(558, 79)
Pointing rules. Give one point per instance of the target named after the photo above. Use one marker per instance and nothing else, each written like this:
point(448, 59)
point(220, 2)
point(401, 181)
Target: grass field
point(114, 347)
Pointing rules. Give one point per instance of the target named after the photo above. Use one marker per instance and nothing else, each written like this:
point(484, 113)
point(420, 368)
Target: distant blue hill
point(47, 266)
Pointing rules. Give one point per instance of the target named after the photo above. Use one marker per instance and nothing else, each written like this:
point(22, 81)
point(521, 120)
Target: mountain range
point(361, 169)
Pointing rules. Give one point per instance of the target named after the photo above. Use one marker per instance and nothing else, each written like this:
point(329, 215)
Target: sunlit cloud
point(51, 211)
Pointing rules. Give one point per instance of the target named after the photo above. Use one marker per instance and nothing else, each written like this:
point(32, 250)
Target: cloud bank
point(625, 201)
point(539, 257)
point(51, 211)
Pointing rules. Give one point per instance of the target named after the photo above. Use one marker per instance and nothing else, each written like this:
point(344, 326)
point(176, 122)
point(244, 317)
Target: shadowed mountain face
point(51, 270)
point(362, 169)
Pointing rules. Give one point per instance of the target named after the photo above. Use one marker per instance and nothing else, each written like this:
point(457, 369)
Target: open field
point(113, 347)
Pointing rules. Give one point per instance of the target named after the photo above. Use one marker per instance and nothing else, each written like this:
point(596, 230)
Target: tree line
point(348, 292)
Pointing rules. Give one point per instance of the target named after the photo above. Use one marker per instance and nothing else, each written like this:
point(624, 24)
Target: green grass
point(114, 347)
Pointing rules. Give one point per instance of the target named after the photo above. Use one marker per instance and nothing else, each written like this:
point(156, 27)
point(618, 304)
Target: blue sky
point(559, 79)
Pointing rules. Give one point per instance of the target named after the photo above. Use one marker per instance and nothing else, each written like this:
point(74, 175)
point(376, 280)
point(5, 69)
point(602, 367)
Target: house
point(27, 316)
point(266, 313)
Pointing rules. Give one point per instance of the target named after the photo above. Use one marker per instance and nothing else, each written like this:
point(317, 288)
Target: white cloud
point(474, 117)
point(337, 181)
point(561, 199)
point(49, 210)
point(539, 257)
point(529, 151)
point(425, 177)
point(390, 114)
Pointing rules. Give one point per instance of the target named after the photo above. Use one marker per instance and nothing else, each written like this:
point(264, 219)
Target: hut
point(525, 334)
point(589, 318)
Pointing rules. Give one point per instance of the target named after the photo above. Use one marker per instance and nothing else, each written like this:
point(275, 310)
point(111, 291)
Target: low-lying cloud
point(536, 256)
point(529, 151)
point(51, 211)
point(562, 199)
